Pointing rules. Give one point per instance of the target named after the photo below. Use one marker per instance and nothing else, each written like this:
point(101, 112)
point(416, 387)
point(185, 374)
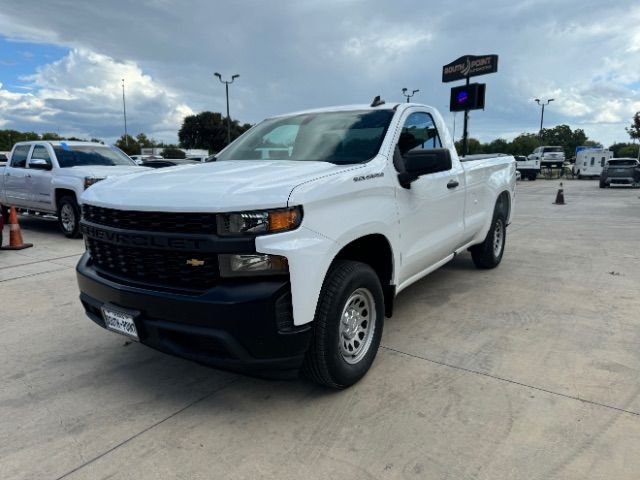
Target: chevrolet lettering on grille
point(142, 239)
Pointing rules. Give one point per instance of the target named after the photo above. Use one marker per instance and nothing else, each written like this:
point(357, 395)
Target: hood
point(102, 171)
point(217, 186)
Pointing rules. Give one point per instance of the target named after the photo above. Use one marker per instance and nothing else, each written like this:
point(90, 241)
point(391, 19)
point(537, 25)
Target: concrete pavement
point(528, 371)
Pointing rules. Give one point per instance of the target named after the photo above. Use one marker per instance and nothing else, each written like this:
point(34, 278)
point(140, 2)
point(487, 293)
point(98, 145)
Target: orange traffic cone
point(15, 237)
point(560, 196)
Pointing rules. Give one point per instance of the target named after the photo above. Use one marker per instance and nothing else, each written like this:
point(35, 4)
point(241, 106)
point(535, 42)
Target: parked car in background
point(4, 158)
point(168, 162)
point(620, 171)
point(50, 177)
point(548, 156)
point(590, 162)
point(528, 168)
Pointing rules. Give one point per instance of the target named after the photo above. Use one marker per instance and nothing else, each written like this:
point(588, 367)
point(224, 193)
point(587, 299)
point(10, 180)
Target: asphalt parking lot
point(528, 371)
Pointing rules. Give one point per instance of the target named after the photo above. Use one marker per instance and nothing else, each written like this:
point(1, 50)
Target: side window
point(19, 156)
point(418, 132)
point(40, 151)
point(593, 161)
point(602, 161)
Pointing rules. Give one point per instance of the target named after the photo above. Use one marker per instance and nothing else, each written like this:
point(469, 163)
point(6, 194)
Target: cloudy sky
point(62, 61)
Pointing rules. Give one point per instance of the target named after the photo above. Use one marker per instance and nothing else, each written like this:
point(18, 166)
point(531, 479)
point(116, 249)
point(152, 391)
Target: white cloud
point(81, 94)
point(301, 54)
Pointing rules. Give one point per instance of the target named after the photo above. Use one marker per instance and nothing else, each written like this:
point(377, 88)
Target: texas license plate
point(120, 321)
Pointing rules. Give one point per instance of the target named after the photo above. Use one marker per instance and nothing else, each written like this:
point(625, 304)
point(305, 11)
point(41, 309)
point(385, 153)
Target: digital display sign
point(467, 97)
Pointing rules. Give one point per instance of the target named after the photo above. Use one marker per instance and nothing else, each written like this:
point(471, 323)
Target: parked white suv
point(548, 156)
point(50, 177)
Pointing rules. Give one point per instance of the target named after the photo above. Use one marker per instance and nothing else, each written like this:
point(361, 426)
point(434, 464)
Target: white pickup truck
point(271, 262)
point(50, 177)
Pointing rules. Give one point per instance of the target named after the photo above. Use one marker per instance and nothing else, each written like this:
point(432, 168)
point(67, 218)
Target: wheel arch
point(64, 192)
point(375, 250)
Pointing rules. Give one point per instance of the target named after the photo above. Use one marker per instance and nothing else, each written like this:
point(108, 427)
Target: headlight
point(260, 222)
point(88, 181)
point(252, 265)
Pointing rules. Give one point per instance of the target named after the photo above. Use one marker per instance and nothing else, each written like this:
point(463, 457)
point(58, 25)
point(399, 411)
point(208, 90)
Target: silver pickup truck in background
point(50, 177)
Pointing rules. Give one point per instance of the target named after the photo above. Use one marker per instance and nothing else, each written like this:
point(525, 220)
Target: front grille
point(155, 267)
point(166, 222)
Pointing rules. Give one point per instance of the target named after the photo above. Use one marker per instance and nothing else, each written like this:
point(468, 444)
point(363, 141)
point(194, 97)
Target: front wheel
point(69, 217)
point(489, 253)
point(347, 326)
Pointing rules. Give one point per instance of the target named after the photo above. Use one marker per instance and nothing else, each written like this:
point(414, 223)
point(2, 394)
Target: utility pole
point(124, 111)
point(404, 92)
point(542, 103)
point(226, 87)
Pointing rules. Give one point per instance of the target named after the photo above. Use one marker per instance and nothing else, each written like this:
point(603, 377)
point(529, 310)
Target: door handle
point(452, 184)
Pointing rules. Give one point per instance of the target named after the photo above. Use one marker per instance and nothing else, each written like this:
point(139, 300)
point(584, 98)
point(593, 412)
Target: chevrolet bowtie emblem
point(194, 262)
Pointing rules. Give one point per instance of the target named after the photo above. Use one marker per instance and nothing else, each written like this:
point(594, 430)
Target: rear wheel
point(602, 184)
point(347, 326)
point(489, 253)
point(69, 217)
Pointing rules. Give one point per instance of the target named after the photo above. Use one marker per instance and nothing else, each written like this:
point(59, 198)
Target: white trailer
point(589, 163)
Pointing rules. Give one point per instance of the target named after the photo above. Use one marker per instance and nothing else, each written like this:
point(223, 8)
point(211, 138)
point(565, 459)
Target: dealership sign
point(469, 66)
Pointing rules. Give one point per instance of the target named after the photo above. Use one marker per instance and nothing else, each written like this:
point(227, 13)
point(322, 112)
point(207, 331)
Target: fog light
point(252, 264)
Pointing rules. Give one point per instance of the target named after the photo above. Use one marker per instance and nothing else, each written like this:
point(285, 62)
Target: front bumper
point(238, 326)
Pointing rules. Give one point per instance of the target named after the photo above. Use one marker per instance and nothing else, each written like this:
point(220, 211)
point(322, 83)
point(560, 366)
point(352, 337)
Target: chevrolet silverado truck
point(50, 177)
point(288, 251)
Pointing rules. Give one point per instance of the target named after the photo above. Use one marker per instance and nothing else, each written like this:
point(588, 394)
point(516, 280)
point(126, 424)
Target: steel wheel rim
point(498, 238)
point(357, 326)
point(67, 217)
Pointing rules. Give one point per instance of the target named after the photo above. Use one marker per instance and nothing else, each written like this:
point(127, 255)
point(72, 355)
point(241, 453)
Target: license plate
point(120, 321)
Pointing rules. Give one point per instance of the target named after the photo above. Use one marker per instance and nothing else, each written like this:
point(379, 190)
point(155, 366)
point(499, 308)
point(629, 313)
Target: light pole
point(124, 111)
point(226, 87)
point(542, 104)
point(404, 92)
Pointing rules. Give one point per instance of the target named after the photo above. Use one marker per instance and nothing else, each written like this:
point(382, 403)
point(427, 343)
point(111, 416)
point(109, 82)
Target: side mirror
point(40, 164)
point(424, 162)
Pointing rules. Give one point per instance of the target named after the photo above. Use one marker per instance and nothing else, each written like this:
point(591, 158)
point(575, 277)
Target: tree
point(208, 130)
point(629, 151)
point(524, 144)
point(563, 136)
point(473, 146)
point(499, 145)
point(50, 136)
point(145, 142)
point(634, 129)
point(171, 151)
point(129, 145)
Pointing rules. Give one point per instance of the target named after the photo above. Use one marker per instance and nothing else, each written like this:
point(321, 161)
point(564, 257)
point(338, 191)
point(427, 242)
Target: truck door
point(431, 212)
point(15, 177)
point(39, 179)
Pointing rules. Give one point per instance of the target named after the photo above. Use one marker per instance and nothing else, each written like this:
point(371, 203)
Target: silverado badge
point(194, 262)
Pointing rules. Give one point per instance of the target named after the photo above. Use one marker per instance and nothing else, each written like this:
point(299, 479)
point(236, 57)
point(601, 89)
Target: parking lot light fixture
point(405, 90)
point(542, 103)
point(226, 87)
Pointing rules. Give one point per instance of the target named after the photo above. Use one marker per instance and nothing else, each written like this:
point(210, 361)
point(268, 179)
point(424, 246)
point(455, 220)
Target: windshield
point(552, 150)
point(82, 155)
point(335, 137)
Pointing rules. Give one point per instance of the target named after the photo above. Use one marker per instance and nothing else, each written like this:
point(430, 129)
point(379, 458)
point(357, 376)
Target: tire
point(4, 211)
point(532, 176)
point(341, 353)
point(602, 184)
point(69, 217)
point(489, 253)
